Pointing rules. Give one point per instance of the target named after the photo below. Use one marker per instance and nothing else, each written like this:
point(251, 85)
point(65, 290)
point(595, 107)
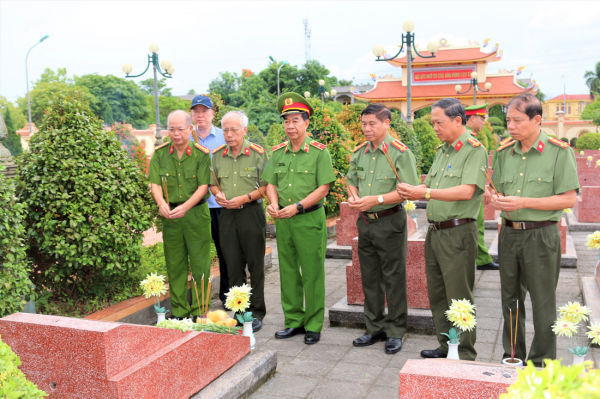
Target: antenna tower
point(306, 40)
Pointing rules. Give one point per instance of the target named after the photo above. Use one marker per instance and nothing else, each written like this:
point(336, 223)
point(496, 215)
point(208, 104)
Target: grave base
point(568, 259)
point(492, 224)
point(574, 225)
point(341, 314)
point(591, 298)
point(339, 251)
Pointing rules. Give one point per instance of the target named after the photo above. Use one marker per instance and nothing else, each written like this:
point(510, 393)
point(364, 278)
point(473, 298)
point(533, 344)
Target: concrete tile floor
point(334, 369)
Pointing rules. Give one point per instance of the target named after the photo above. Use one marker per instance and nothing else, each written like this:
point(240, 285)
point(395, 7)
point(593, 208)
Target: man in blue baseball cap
point(211, 137)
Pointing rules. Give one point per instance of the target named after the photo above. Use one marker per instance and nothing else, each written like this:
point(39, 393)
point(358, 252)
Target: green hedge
point(589, 141)
point(13, 383)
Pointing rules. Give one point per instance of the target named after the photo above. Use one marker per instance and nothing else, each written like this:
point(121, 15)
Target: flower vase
point(578, 359)
point(247, 332)
point(517, 362)
point(452, 351)
point(415, 219)
point(161, 317)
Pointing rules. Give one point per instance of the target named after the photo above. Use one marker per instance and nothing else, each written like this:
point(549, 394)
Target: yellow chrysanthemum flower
point(564, 327)
point(581, 153)
point(568, 210)
point(153, 285)
point(238, 298)
point(461, 314)
point(593, 240)
point(574, 312)
point(410, 206)
point(598, 162)
point(590, 158)
point(466, 322)
point(594, 333)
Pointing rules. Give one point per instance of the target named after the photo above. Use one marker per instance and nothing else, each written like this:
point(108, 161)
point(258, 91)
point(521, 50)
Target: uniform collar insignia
point(246, 150)
point(171, 150)
point(458, 145)
point(225, 151)
point(188, 151)
point(306, 147)
point(367, 149)
point(384, 147)
point(540, 146)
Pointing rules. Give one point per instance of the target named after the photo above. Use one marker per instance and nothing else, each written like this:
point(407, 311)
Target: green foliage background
point(592, 112)
point(589, 141)
point(87, 203)
point(13, 383)
point(429, 141)
point(15, 286)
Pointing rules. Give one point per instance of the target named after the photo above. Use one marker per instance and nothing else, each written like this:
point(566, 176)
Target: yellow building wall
point(573, 111)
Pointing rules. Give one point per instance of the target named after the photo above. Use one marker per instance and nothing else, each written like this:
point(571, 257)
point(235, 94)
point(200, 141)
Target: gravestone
point(587, 206)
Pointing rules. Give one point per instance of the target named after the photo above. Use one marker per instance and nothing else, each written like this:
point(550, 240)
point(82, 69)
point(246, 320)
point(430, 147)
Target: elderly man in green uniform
point(299, 174)
point(536, 179)
point(185, 170)
point(454, 188)
point(238, 166)
point(381, 227)
point(476, 115)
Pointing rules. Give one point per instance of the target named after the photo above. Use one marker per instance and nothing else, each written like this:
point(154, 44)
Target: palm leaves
point(592, 80)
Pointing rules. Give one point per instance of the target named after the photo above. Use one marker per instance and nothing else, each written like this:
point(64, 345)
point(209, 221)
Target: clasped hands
point(177, 213)
point(507, 204)
point(409, 192)
point(234, 203)
point(363, 204)
point(285, 213)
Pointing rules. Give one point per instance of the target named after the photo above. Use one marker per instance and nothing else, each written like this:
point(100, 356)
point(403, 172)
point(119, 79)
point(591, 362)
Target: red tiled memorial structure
point(76, 358)
point(454, 379)
point(587, 207)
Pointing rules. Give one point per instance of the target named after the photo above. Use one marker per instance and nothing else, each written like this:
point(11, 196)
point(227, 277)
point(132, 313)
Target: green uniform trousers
point(382, 255)
point(243, 237)
point(187, 246)
point(449, 262)
point(483, 256)
point(530, 261)
point(301, 244)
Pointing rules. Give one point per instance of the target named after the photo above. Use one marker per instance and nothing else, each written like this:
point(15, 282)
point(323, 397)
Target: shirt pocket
point(306, 179)
point(452, 178)
point(540, 184)
point(190, 173)
point(249, 173)
point(385, 182)
point(282, 176)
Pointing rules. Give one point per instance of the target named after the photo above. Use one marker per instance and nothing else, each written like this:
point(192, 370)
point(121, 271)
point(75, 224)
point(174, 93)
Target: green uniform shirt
point(239, 175)
point(184, 175)
point(371, 172)
point(297, 174)
point(548, 168)
point(456, 164)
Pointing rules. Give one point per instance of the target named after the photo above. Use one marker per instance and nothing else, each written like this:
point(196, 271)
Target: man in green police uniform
point(475, 120)
point(454, 187)
point(536, 178)
point(186, 220)
point(238, 166)
point(382, 232)
point(299, 174)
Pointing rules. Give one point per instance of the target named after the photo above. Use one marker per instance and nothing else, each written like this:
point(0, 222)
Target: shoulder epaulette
point(219, 148)
point(279, 146)
point(318, 145)
point(202, 148)
point(507, 144)
point(558, 142)
point(360, 146)
point(160, 146)
point(257, 148)
point(474, 142)
point(506, 140)
point(439, 146)
point(399, 145)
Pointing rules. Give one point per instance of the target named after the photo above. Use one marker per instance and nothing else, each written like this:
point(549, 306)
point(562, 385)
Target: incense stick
point(516, 328)
point(387, 156)
point(195, 134)
point(262, 194)
point(166, 191)
point(512, 354)
point(208, 293)
point(485, 172)
point(197, 298)
point(202, 309)
point(215, 177)
point(351, 193)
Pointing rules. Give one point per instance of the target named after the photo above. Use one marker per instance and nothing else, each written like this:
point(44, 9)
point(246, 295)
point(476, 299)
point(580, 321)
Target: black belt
point(449, 223)
point(247, 204)
point(202, 201)
point(307, 210)
point(380, 214)
point(527, 225)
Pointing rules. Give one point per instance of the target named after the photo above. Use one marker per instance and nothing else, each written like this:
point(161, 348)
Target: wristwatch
point(380, 199)
point(299, 207)
point(428, 193)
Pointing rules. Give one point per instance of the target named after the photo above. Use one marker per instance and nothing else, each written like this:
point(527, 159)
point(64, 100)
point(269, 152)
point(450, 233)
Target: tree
point(496, 111)
point(345, 82)
point(13, 142)
point(422, 112)
point(118, 99)
point(310, 74)
point(225, 85)
point(132, 145)
point(87, 204)
point(276, 135)
point(191, 92)
point(166, 104)
point(592, 80)
point(147, 86)
point(400, 130)
point(18, 117)
point(429, 141)
point(288, 78)
point(255, 136)
point(592, 112)
point(589, 141)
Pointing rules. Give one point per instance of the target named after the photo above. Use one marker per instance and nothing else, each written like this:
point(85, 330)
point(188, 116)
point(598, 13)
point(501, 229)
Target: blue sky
point(201, 38)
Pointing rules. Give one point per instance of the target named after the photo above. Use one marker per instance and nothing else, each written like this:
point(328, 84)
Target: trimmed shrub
point(428, 140)
point(566, 140)
point(573, 142)
point(13, 383)
point(589, 141)
point(88, 205)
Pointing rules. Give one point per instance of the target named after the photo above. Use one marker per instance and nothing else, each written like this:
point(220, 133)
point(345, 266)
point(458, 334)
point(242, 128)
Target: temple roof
point(571, 97)
point(503, 86)
point(451, 55)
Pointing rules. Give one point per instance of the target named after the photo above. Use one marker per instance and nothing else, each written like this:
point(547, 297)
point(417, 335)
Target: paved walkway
point(333, 368)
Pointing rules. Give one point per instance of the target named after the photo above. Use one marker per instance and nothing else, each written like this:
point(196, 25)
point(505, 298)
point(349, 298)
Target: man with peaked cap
point(238, 166)
point(299, 174)
point(382, 238)
point(185, 166)
point(211, 137)
point(476, 115)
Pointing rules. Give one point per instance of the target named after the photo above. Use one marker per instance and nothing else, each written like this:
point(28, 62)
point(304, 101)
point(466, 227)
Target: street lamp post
point(322, 90)
point(473, 82)
point(27, 78)
point(409, 40)
point(278, 69)
point(169, 69)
